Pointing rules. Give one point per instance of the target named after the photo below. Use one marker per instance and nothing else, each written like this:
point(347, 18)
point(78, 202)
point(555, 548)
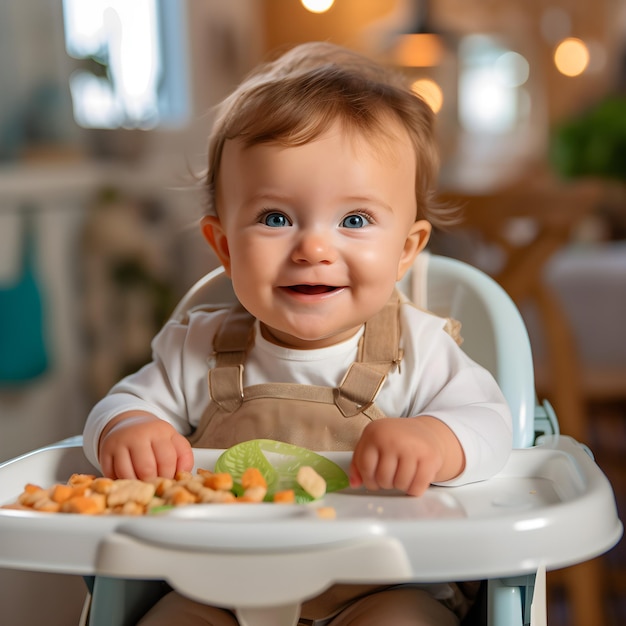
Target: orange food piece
point(254, 494)
point(252, 477)
point(80, 479)
point(61, 493)
point(326, 512)
point(162, 485)
point(102, 485)
point(46, 505)
point(221, 481)
point(286, 496)
point(31, 488)
point(85, 505)
point(180, 496)
point(29, 498)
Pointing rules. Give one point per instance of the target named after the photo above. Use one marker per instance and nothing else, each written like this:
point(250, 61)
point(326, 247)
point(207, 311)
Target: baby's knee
point(400, 607)
point(176, 609)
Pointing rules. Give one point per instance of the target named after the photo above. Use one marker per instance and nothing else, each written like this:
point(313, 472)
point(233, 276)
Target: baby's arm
point(407, 454)
point(136, 444)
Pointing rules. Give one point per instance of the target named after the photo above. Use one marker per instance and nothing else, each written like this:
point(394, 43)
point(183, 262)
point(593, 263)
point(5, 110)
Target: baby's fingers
point(354, 476)
point(118, 465)
point(184, 454)
point(165, 459)
point(364, 466)
point(424, 474)
point(144, 462)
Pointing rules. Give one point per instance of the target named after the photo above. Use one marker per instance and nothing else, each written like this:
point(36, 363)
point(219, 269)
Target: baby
point(321, 182)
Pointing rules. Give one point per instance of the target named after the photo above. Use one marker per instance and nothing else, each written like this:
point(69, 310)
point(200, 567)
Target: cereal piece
point(221, 481)
point(215, 496)
point(132, 508)
point(81, 489)
point(80, 479)
point(161, 485)
point(102, 485)
point(252, 477)
point(130, 490)
point(178, 495)
point(31, 496)
point(85, 505)
point(31, 488)
point(193, 485)
point(326, 512)
point(286, 496)
point(224, 497)
point(46, 505)
point(61, 493)
point(155, 503)
point(253, 494)
point(183, 476)
point(311, 481)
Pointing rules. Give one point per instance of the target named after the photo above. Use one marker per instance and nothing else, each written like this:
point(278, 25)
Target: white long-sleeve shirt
point(435, 378)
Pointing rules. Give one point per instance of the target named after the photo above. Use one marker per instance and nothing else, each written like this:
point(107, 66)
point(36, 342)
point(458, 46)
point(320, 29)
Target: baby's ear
point(416, 241)
point(216, 237)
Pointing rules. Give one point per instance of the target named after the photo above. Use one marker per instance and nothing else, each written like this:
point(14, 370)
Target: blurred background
point(105, 106)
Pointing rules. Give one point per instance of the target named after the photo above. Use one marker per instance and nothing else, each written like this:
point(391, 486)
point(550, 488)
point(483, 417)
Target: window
point(131, 62)
point(492, 99)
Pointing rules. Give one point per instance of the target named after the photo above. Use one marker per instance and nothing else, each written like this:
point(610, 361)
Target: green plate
point(279, 463)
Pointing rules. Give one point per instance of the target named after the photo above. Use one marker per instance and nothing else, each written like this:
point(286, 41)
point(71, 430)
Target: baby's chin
point(305, 340)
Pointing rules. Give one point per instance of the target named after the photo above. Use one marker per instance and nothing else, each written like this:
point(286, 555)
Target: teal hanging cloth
point(23, 354)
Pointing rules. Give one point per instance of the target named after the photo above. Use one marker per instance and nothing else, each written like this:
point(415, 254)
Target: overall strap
point(379, 351)
point(380, 344)
point(230, 347)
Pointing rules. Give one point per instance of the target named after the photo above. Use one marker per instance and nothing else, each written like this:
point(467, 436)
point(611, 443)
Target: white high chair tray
point(551, 505)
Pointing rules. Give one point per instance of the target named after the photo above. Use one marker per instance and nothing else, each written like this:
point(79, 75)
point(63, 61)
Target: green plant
point(594, 143)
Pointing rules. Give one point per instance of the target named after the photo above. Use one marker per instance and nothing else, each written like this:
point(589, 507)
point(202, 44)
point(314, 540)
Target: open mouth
point(312, 290)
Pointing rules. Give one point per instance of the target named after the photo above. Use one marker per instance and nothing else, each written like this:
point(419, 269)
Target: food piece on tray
point(311, 482)
point(279, 463)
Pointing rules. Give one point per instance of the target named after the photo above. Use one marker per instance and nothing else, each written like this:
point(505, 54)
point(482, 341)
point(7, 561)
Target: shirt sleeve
point(171, 387)
point(464, 395)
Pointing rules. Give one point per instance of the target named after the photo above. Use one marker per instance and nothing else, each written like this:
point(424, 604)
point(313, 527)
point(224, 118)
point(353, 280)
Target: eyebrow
point(266, 196)
point(367, 199)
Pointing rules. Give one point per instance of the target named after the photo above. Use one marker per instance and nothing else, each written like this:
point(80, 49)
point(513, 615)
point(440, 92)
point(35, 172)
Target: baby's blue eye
point(275, 220)
point(354, 221)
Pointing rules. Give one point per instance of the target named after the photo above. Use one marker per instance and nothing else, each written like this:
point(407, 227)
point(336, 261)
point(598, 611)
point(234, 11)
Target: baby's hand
point(139, 445)
point(406, 454)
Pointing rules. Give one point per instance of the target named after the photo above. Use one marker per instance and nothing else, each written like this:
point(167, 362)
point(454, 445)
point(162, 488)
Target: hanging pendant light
point(420, 45)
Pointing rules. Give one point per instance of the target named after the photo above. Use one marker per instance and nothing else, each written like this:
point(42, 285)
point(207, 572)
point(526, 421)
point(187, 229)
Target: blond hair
point(295, 98)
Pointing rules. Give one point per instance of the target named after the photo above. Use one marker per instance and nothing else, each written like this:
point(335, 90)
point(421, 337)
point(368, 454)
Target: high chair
point(550, 507)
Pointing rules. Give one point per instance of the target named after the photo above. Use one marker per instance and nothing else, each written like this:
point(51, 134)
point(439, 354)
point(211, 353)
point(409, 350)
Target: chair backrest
point(494, 333)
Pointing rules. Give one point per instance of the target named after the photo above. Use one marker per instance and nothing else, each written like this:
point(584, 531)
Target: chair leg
point(504, 604)
point(584, 584)
point(122, 602)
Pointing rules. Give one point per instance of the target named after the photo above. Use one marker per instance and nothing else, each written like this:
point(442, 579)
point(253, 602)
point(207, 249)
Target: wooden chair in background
point(526, 225)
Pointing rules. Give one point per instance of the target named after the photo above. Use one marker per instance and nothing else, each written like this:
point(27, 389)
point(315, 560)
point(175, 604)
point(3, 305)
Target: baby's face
point(315, 237)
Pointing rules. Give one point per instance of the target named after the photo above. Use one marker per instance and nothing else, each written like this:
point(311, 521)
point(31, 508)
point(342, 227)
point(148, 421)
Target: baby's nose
point(314, 246)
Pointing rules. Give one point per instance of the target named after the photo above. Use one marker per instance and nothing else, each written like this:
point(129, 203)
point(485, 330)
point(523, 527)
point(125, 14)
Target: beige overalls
point(318, 418)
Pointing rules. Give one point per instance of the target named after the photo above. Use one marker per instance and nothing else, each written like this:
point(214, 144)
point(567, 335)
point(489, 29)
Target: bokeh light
point(571, 56)
point(430, 92)
point(317, 6)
